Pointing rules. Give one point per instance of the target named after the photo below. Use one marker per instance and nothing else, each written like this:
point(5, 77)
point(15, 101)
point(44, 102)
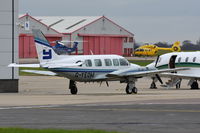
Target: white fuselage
point(179, 59)
point(93, 67)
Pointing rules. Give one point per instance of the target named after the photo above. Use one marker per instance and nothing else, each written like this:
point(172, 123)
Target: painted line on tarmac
point(124, 109)
point(29, 107)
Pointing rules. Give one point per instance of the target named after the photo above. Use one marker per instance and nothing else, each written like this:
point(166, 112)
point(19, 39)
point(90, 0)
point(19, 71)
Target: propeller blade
point(107, 84)
point(157, 60)
point(159, 79)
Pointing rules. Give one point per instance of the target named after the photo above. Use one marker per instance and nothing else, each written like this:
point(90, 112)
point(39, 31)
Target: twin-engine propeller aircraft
point(173, 60)
point(88, 68)
point(152, 50)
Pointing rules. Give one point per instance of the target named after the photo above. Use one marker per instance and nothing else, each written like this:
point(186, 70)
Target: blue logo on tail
point(47, 54)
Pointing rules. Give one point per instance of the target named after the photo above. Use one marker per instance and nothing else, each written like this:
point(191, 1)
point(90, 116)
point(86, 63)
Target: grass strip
point(25, 130)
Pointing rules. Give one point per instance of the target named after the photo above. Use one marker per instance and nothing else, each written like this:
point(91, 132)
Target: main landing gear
point(195, 85)
point(72, 87)
point(130, 88)
point(153, 85)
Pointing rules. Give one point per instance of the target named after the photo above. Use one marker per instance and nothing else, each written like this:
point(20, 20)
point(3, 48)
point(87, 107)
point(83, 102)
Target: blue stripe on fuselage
point(81, 70)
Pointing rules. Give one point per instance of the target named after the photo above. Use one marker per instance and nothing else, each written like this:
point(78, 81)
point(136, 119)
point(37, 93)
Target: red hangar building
point(95, 34)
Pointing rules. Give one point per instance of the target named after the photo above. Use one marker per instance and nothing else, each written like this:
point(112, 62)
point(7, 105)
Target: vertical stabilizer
point(44, 49)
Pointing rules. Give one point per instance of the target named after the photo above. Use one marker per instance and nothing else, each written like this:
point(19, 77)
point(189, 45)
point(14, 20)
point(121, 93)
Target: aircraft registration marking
point(87, 75)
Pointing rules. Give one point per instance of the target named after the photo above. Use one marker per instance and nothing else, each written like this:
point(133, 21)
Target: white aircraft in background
point(173, 60)
point(88, 68)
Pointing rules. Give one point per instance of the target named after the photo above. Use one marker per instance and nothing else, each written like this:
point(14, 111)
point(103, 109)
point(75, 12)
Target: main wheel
point(195, 85)
point(134, 90)
point(128, 90)
point(74, 90)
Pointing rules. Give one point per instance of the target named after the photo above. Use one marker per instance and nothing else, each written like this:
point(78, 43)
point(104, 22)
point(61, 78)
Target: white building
point(9, 45)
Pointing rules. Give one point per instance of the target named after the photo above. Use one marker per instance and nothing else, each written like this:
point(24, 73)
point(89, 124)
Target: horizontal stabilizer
point(24, 65)
point(40, 72)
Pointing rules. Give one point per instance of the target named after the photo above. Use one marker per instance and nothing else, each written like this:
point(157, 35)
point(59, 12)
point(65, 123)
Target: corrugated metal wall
point(102, 45)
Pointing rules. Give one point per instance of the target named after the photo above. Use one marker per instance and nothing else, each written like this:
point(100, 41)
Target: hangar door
point(102, 45)
point(27, 47)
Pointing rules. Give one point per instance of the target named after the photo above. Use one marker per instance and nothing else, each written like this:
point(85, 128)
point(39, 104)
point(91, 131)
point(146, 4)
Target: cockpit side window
point(97, 62)
point(115, 62)
point(123, 62)
point(141, 49)
point(88, 63)
point(108, 62)
point(159, 60)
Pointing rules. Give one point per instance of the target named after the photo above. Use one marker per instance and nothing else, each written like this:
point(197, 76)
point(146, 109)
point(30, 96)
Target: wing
point(179, 75)
point(40, 72)
point(142, 72)
point(57, 65)
point(52, 65)
point(24, 65)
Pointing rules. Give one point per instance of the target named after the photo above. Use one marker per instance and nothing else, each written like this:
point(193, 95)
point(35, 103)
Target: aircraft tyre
point(195, 86)
point(72, 87)
point(134, 90)
point(128, 89)
point(74, 90)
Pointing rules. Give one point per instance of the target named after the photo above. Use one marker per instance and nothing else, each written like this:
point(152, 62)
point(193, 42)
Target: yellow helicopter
point(151, 50)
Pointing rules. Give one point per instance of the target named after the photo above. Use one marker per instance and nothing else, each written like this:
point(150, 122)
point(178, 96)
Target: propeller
point(106, 83)
point(157, 76)
point(159, 79)
point(157, 60)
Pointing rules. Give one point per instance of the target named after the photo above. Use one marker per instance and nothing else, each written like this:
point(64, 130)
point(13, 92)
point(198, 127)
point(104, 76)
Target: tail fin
point(44, 50)
point(176, 47)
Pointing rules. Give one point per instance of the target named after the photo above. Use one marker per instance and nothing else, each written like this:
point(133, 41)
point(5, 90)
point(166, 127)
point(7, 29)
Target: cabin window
point(123, 62)
point(108, 62)
point(186, 59)
point(115, 62)
point(194, 59)
point(88, 63)
point(137, 50)
point(159, 60)
point(179, 59)
point(97, 62)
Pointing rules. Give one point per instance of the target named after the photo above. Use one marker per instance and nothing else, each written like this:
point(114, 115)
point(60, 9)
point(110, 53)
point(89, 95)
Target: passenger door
point(172, 61)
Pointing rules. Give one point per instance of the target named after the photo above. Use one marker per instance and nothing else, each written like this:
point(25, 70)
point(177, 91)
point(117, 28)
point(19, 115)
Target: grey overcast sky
point(150, 20)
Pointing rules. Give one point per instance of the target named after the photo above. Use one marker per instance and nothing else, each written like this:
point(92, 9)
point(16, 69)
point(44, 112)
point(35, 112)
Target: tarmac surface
point(45, 102)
